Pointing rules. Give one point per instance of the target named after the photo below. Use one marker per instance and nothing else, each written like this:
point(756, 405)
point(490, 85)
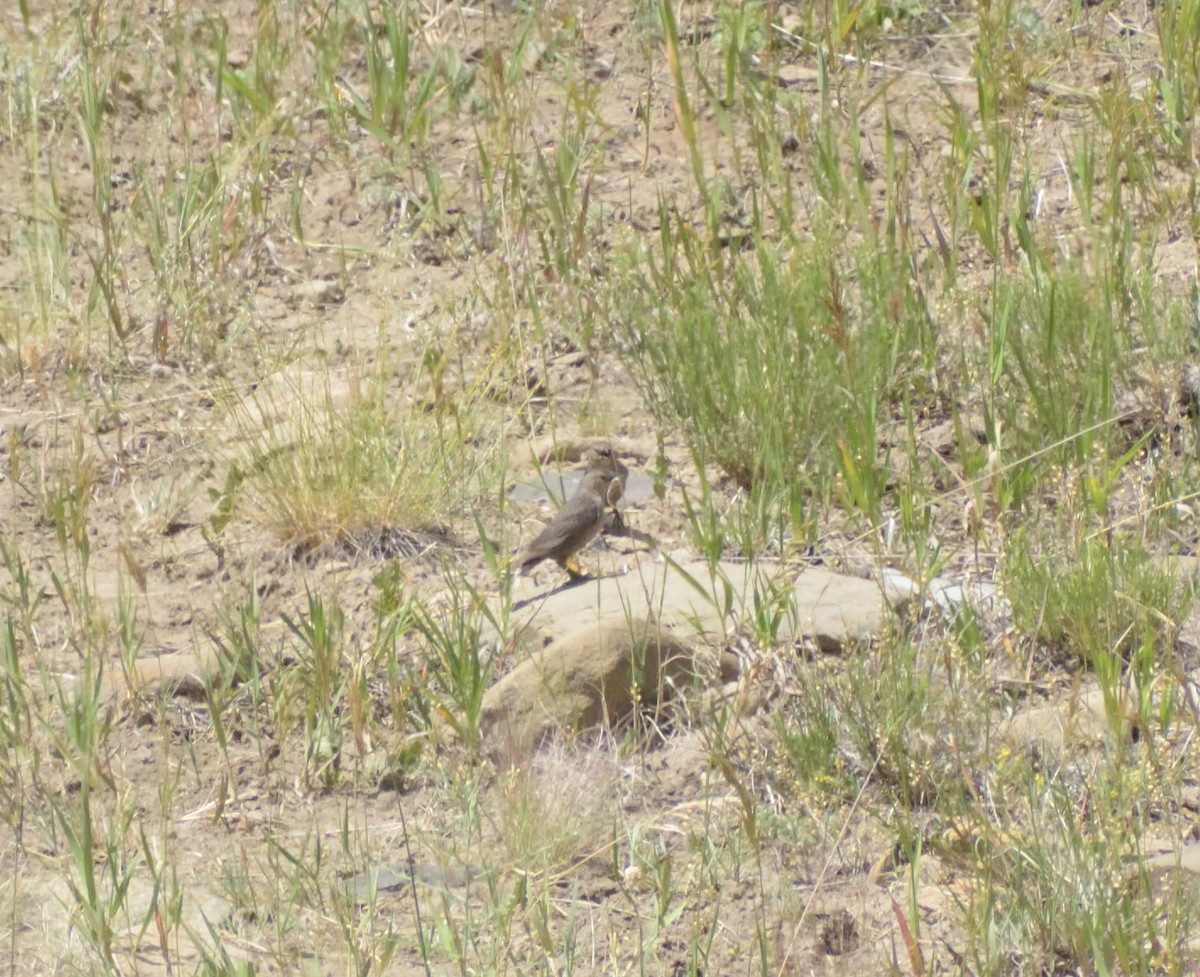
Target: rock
point(390, 877)
point(554, 449)
point(797, 76)
point(1187, 859)
point(561, 485)
point(947, 595)
point(1189, 388)
point(320, 292)
point(181, 674)
point(596, 674)
point(831, 609)
point(50, 910)
point(1076, 721)
point(1171, 869)
point(552, 454)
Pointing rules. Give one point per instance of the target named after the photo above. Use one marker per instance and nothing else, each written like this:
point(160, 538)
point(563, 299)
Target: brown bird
point(577, 523)
point(601, 457)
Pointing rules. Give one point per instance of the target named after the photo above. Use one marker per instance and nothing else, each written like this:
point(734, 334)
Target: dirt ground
point(325, 270)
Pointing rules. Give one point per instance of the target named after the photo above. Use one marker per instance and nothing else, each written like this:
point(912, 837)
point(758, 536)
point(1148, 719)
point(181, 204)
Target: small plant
point(1179, 85)
point(810, 747)
point(100, 897)
point(457, 659)
point(321, 681)
point(1066, 598)
point(902, 723)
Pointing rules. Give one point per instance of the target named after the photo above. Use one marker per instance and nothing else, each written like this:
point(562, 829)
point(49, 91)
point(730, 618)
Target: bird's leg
point(574, 570)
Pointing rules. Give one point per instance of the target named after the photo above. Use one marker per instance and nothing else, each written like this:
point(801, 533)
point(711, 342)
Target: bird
point(579, 521)
point(602, 457)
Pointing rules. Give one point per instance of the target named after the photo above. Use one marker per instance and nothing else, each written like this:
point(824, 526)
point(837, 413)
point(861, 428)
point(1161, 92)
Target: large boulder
point(597, 674)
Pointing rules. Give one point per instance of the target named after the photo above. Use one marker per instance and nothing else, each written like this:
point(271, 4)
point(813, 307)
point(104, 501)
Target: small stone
point(180, 674)
point(320, 292)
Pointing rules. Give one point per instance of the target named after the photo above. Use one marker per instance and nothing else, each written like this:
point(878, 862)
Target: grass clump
point(775, 363)
point(1058, 351)
point(1054, 890)
point(1088, 599)
point(330, 465)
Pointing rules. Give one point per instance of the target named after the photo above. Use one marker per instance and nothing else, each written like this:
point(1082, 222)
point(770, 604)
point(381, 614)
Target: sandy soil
point(142, 427)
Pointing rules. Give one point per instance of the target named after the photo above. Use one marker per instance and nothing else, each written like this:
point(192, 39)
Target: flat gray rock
point(697, 602)
point(394, 876)
point(559, 485)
